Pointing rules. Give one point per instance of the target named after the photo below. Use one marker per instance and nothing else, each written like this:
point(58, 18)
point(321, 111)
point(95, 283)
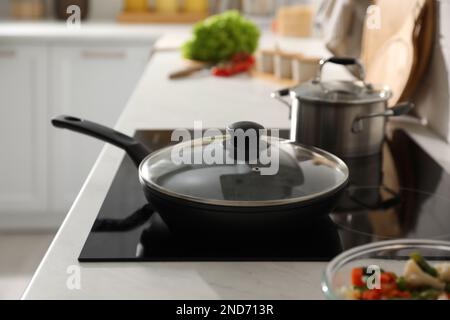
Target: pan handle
point(135, 150)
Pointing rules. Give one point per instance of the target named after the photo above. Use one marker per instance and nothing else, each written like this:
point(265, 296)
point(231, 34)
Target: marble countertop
point(160, 103)
point(13, 32)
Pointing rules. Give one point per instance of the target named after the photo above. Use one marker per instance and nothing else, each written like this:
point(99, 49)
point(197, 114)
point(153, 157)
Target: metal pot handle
point(344, 61)
point(397, 110)
point(279, 95)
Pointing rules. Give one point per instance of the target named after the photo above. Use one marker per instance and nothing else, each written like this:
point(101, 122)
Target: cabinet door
point(23, 117)
point(94, 83)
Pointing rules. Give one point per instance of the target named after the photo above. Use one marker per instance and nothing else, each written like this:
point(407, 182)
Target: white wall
point(433, 98)
point(108, 9)
point(4, 8)
point(99, 9)
point(105, 9)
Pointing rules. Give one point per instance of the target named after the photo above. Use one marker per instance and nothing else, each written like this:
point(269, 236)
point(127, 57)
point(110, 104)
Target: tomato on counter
point(239, 63)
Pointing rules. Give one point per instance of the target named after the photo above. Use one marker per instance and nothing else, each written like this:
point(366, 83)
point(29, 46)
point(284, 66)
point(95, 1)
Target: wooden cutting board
point(397, 54)
point(423, 40)
point(391, 22)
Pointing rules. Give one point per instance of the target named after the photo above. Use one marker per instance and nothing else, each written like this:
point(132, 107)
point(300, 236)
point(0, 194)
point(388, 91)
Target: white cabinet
point(94, 83)
point(42, 168)
point(23, 141)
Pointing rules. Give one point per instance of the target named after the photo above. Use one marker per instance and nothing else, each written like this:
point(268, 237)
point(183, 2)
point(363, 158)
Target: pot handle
point(279, 95)
point(344, 61)
point(135, 150)
point(397, 110)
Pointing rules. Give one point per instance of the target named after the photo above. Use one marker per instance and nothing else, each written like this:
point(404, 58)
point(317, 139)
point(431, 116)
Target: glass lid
point(208, 171)
point(339, 91)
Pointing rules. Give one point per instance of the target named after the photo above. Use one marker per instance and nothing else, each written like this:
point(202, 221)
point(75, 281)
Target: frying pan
point(219, 198)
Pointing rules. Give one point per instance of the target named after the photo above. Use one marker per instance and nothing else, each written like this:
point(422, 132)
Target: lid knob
point(244, 140)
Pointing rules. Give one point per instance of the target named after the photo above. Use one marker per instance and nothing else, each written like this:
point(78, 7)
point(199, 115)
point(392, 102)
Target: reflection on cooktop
point(403, 214)
point(156, 242)
point(374, 207)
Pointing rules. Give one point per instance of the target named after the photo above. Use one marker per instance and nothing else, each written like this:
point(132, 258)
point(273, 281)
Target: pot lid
point(339, 91)
point(212, 170)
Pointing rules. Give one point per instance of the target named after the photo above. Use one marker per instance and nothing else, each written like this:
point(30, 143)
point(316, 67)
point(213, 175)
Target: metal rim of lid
point(385, 94)
point(340, 165)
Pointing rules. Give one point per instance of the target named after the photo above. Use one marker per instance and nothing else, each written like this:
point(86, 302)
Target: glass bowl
point(388, 255)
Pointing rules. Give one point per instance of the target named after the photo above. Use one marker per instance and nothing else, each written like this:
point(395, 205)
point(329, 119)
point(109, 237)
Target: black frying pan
point(182, 214)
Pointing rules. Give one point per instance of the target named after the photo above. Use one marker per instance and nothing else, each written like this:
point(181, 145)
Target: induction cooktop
point(399, 193)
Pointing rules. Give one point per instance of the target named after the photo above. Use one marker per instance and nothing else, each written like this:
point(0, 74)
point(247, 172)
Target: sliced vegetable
point(429, 294)
point(423, 264)
point(443, 270)
point(387, 277)
point(357, 277)
point(397, 294)
point(416, 277)
point(239, 63)
point(447, 287)
point(388, 287)
point(419, 281)
point(373, 294)
point(401, 284)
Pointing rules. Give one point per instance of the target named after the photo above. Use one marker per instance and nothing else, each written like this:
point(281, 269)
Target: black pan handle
point(135, 150)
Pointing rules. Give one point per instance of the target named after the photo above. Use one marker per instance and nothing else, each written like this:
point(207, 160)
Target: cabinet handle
point(88, 54)
point(7, 53)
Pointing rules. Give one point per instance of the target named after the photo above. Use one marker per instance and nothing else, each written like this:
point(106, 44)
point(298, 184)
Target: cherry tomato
point(373, 294)
point(357, 277)
point(399, 294)
point(387, 277)
point(238, 63)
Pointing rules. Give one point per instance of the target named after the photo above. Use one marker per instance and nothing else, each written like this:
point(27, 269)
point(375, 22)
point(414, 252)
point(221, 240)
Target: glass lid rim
point(340, 166)
point(378, 97)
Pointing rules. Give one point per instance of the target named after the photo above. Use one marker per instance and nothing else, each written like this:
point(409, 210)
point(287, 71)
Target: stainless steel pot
point(346, 118)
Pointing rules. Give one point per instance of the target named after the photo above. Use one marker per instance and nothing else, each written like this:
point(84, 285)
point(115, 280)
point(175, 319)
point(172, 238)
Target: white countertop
point(18, 32)
point(169, 35)
point(159, 103)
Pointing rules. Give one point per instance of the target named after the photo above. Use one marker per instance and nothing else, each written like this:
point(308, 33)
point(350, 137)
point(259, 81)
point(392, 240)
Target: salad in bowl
point(396, 269)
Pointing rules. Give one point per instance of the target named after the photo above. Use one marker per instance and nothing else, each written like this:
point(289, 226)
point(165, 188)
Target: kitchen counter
point(169, 36)
point(12, 32)
point(159, 103)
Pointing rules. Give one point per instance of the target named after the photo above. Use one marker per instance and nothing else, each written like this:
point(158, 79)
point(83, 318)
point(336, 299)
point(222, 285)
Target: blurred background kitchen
point(47, 68)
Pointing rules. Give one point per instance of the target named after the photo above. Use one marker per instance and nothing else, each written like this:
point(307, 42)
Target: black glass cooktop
point(400, 193)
